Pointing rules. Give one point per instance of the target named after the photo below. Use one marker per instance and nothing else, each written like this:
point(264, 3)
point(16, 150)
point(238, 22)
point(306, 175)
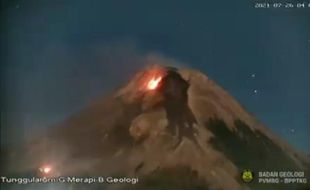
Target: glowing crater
point(153, 83)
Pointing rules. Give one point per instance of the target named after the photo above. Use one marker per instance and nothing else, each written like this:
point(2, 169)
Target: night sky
point(58, 56)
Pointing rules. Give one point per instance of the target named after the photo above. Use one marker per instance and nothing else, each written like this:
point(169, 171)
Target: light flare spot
point(45, 169)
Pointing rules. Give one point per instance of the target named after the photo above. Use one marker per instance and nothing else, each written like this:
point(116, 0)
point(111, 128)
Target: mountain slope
point(166, 122)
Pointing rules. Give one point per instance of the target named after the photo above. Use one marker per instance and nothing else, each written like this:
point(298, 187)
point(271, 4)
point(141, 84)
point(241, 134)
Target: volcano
point(174, 129)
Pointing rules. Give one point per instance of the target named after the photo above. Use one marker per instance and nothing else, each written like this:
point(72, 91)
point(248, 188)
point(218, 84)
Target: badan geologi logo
point(247, 176)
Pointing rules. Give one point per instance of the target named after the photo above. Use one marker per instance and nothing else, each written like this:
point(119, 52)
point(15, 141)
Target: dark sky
point(60, 55)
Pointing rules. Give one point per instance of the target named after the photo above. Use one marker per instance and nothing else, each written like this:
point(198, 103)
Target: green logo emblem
point(247, 176)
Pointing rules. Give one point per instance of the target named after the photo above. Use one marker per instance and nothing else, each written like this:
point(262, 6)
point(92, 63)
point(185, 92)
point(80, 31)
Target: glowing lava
point(153, 83)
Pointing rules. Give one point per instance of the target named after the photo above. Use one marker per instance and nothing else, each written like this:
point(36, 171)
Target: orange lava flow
point(153, 83)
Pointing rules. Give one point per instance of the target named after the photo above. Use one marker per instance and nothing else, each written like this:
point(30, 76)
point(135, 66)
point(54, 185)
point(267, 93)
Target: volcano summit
point(174, 129)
